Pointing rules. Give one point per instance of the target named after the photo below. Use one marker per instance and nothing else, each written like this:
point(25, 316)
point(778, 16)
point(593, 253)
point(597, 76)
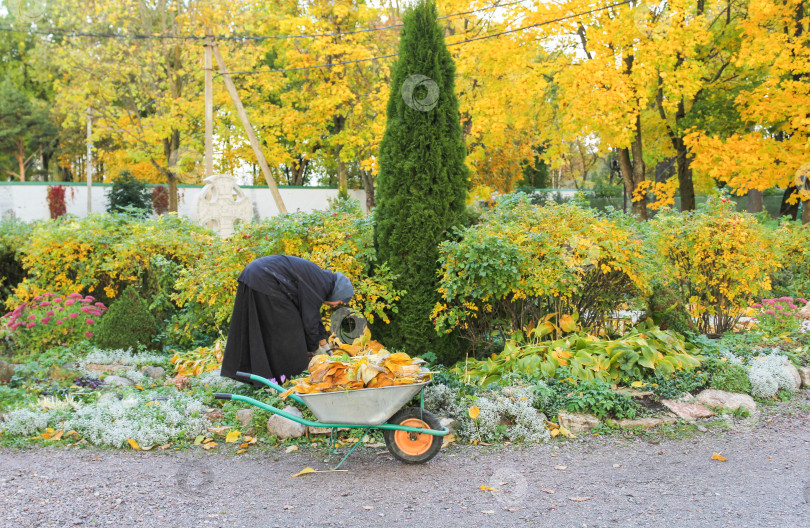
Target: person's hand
point(324, 349)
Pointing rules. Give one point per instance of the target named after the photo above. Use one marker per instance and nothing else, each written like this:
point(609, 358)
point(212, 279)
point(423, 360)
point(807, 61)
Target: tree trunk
point(299, 169)
point(368, 186)
point(628, 174)
point(639, 169)
point(171, 146)
point(685, 182)
point(20, 155)
point(788, 209)
point(754, 201)
point(806, 212)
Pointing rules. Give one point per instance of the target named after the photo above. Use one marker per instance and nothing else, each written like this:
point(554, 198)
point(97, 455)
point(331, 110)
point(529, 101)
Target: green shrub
point(665, 306)
point(422, 184)
point(730, 378)
point(128, 194)
point(592, 397)
point(525, 261)
point(596, 397)
point(13, 235)
point(127, 323)
point(671, 386)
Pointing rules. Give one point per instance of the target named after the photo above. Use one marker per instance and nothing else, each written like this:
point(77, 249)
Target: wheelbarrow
point(413, 435)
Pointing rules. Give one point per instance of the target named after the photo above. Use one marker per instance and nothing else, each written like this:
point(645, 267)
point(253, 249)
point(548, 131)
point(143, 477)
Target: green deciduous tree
point(422, 181)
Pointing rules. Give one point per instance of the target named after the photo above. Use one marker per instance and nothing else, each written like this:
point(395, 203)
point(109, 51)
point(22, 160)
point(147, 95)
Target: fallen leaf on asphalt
point(239, 452)
point(251, 440)
point(309, 470)
point(487, 512)
point(487, 488)
point(304, 471)
point(579, 499)
point(474, 411)
point(199, 440)
point(291, 449)
point(617, 465)
point(368, 507)
point(560, 467)
point(288, 507)
point(449, 439)
point(209, 445)
point(484, 444)
point(552, 425)
point(512, 509)
point(147, 448)
point(549, 491)
point(133, 444)
point(232, 437)
point(72, 433)
point(57, 436)
point(718, 456)
point(165, 446)
point(49, 432)
point(376, 445)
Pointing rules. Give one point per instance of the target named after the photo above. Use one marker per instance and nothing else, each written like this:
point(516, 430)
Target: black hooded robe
point(276, 317)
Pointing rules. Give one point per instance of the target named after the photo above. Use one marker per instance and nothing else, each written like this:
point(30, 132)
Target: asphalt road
point(588, 482)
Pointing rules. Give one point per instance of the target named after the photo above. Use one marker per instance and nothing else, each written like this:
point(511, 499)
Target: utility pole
point(254, 142)
point(209, 105)
point(89, 163)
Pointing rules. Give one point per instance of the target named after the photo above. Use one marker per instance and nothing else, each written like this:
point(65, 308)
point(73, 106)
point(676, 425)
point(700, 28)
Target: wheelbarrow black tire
point(413, 449)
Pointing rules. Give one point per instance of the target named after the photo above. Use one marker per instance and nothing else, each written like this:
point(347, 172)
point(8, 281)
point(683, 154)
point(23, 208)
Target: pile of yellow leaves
point(195, 362)
point(365, 364)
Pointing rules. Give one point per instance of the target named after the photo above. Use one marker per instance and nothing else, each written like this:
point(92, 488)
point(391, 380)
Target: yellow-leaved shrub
point(720, 260)
point(523, 261)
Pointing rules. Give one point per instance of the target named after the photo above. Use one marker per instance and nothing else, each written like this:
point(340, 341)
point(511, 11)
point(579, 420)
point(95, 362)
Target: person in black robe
point(276, 323)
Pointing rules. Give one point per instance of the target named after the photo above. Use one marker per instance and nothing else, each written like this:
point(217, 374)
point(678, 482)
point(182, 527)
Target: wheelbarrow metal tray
point(360, 406)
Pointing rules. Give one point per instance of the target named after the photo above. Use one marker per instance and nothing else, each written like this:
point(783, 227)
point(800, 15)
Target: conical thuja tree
point(422, 181)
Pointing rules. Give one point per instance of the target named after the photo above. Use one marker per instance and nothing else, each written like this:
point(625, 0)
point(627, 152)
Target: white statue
point(222, 203)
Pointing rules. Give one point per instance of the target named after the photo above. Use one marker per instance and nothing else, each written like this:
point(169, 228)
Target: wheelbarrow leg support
point(333, 439)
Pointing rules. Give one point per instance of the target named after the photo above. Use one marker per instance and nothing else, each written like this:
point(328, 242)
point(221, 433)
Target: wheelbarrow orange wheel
point(413, 448)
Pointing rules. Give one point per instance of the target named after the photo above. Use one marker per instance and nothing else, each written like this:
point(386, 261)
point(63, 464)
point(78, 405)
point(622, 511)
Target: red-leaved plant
point(56, 200)
point(160, 200)
point(49, 320)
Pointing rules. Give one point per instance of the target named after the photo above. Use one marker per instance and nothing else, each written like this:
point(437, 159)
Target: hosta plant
point(646, 350)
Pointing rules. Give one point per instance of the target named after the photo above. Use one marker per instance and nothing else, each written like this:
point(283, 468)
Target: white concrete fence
point(29, 200)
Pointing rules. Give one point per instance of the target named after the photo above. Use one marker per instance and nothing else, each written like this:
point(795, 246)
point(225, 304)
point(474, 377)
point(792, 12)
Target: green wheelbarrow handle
point(244, 376)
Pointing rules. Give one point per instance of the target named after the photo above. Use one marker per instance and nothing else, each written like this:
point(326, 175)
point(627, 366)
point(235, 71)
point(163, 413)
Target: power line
point(392, 26)
point(146, 36)
point(547, 22)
